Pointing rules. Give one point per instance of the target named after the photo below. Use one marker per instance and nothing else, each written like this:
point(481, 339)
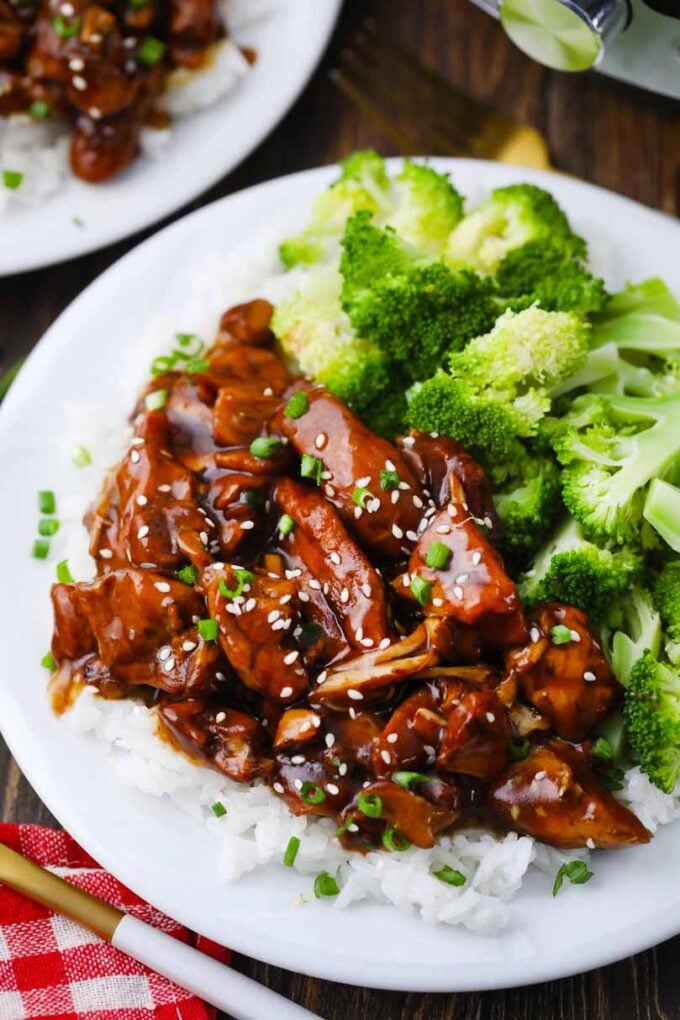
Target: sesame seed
point(342, 768)
point(290, 574)
point(386, 757)
point(220, 717)
point(575, 636)
point(373, 505)
point(490, 717)
point(134, 456)
point(412, 536)
point(590, 843)
point(321, 440)
point(417, 502)
point(278, 787)
point(322, 676)
point(476, 558)
point(316, 585)
point(285, 692)
point(164, 652)
point(298, 759)
point(359, 633)
point(363, 482)
point(290, 658)
point(220, 676)
point(267, 392)
point(106, 554)
point(437, 602)
point(326, 475)
point(67, 9)
point(333, 789)
point(344, 595)
point(396, 531)
point(452, 510)
point(78, 82)
point(203, 535)
point(462, 578)
point(458, 592)
point(137, 441)
point(169, 664)
point(443, 529)
point(274, 615)
point(143, 531)
point(188, 646)
point(394, 496)
point(141, 501)
point(330, 739)
point(392, 738)
point(406, 580)
point(367, 590)
point(589, 676)
point(535, 634)
point(162, 586)
point(335, 558)
point(280, 625)
point(408, 441)
point(385, 643)
point(76, 63)
point(247, 525)
point(352, 712)
point(540, 775)
point(297, 783)
point(428, 749)
point(367, 642)
point(389, 465)
point(164, 488)
point(357, 512)
point(330, 491)
point(94, 112)
point(326, 588)
point(285, 599)
point(355, 695)
point(303, 596)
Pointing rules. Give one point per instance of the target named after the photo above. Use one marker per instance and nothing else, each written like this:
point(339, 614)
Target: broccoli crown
point(652, 714)
point(638, 630)
point(427, 207)
point(363, 184)
point(412, 306)
point(316, 335)
point(527, 500)
point(571, 569)
point(551, 272)
point(609, 463)
point(510, 217)
point(666, 594)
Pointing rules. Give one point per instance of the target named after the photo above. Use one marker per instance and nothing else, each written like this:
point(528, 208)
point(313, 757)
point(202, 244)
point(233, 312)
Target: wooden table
point(598, 130)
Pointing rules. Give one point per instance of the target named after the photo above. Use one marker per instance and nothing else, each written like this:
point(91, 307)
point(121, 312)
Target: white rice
point(40, 151)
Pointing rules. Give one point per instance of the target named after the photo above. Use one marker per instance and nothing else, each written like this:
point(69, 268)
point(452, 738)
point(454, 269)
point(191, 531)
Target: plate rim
point(661, 926)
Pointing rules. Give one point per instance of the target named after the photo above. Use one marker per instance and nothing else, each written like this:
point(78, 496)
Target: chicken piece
point(193, 25)
point(309, 787)
point(247, 324)
point(100, 150)
point(353, 458)
point(553, 795)
point(232, 364)
point(476, 741)
point(418, 819)
point(369, 676)
point(231, 740)
point(256, 630)
point(240, 412)
point(434, 458)
point(189, 411)
point(11, 32)
point(571, 684)
point(140, 624)
point(296, 728)
point(353, 738)
point(331, 644)
point(339, 569)
point(238, 501)
point(472, 586)
point(148, 515)
point(411, 736)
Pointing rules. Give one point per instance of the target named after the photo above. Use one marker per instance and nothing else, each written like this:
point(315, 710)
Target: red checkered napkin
point(51, 967)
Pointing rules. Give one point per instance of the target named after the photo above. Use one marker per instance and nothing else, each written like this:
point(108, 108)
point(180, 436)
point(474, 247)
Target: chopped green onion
point(409, 779)
point(560, 634)
point(218, 809)
point(184, 339)
point(243, 577)
point(614, 779)
point(297, 405)
point(64, 575)
point(420, 589)
point(336, 762)
point(577, 873)
point(370, 805)
point(519, 749)
point(163, 363)
point(438, 555)
point(342, 829)
point(310, 634)
point(156, 400)
point(325, 885)
point(188, 574)
point(81, 456)
point(65, 29)
point(208, 629)
point(41, 548)
point(602, 748)
point(48, 661)
point(311, 793)
point(78, 222)
point(196, 366)
point(47, 503)
point(39, 109)
point(48, 526)
point(285, 525)
point(264, 446)
point(151, 51)
point(394, 840)
point(311, 467)
point(291, 851)
point(450, 875)
point(360, 496)
point(12, 179)
point(389, 480)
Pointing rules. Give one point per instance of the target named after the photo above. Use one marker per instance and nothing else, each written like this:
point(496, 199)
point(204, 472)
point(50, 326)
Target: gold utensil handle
point(51, 891)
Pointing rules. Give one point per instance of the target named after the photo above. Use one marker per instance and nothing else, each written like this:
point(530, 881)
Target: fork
point(423, 112)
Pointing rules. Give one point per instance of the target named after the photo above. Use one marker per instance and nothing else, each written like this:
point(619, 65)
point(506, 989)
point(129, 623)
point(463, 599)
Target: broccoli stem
point(655, 447)
point(662, 510)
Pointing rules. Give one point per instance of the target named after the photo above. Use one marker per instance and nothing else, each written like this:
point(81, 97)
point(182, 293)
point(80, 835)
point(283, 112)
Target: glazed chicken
point(101, 68)
point(311, 606)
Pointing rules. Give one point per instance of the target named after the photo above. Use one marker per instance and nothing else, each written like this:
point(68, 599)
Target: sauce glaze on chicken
point(264, 578)
point(100, 67)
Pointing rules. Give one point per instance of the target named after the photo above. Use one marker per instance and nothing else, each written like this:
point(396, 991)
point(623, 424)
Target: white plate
point(202, 148)
point(633, 902)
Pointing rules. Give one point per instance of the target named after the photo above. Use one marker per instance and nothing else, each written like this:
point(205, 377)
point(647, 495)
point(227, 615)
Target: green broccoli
point(662, 511)
point(426, 207)
point(637, 629)
point(652, 295)
point(552, 272)
point(601, 365)
point(666, 594)
point(527, 501)
point(609, 463)
point(572, 570)
point(652, 714)
point(413, 307)
point(643, 318)
point(317, 337)
point(509, 218)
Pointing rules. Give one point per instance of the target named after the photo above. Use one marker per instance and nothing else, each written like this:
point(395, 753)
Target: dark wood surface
point(598, 130)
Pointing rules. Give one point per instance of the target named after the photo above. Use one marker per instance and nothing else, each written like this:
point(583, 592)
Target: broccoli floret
point(551, 272)
point(644, 319)
point(427, 207)
point(572, 570)
point(652, 714)
point(638, 629)
point(497, 386)
point(610, 463)
point(667, 600)
point(363, 184)
point(317, 337)
point(412, 306)
point(510, 217)
point(527, 501)
point(601, 364)
point(662, 511)
point(651, 295)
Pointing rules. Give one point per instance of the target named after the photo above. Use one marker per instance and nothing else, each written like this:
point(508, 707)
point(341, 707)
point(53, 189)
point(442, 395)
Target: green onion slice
point(47, 503)
point(311, 467)
point(360, 496)
point(48, 526)
point(243, 577)
point(264, 446)
point(370, 805)
point(297, 405)
point(48, 661)
point(560, 634)
point(577, 873)
point(394, 840)
point(39, 109)
point(218, 809)
point(64, 575)
point(325, 885)
point(420, 589)
point(409, 779)
point(451, 876)
point(311, 793)
point(603, 749)
point(519, 749)
point(208, 629)
point(389, 480)
point(285, 525)
point(151, 51)
point(188, 574)
point(438, 555)
point(65, 29)
point(41, 548)
point(81, 456)
point(156, 400)
point(291, 851)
